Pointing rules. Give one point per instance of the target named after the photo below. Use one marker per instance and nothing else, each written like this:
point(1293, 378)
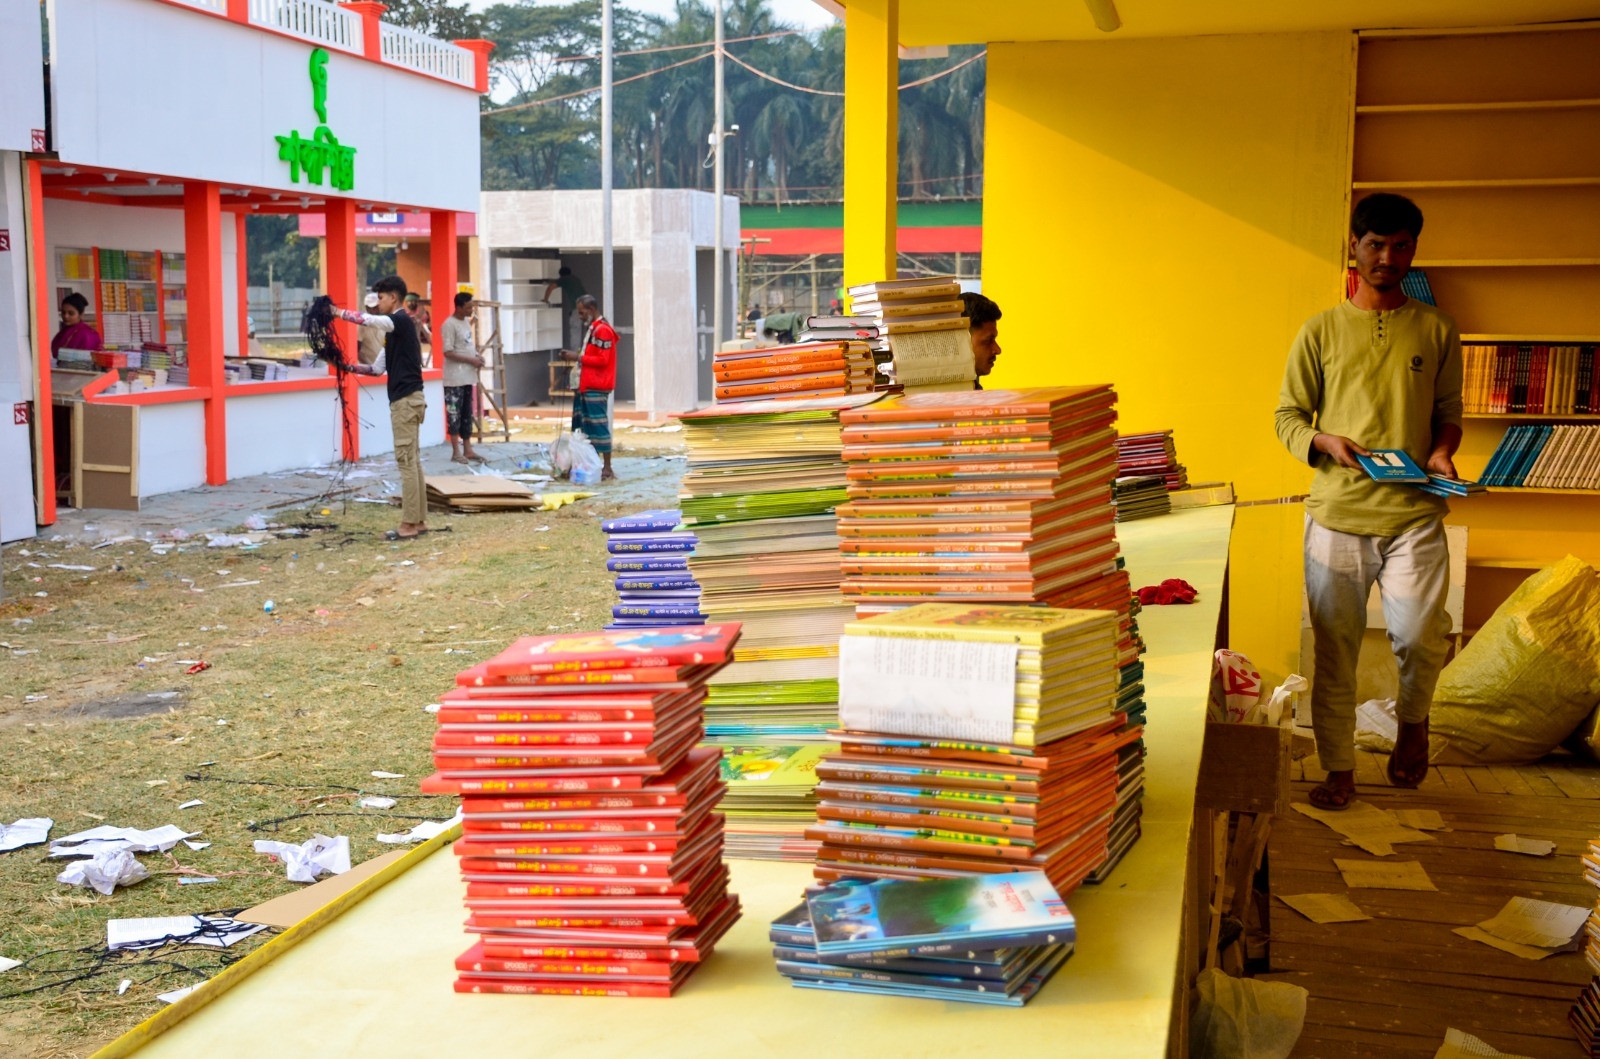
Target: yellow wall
point(1163, 214)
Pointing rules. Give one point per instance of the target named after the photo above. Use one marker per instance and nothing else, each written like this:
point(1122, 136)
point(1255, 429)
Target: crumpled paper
point(422, 832)
point(105, 871)
point(311, 858)
point(29, 831)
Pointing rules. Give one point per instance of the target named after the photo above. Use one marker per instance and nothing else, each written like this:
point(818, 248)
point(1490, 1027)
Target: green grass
point(299, 707)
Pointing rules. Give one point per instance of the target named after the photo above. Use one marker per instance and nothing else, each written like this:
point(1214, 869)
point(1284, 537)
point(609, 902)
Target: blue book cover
point(656, 521)
point(928, 917)
point(641, 564)
point(1537, 438)
point(684, 596)
point(626, 544)
point(1055, 957)
point(689, 614)
point(1392, 465)
point(645, 582)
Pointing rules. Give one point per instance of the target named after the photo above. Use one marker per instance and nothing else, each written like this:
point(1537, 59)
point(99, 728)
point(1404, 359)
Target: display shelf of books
point(75, 274)
point(174, 299)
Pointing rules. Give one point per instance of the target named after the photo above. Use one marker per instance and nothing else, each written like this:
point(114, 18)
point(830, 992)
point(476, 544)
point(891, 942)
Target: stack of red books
point(987, 495)
point(1153, 453)
point(809, 369)
point(591, 847)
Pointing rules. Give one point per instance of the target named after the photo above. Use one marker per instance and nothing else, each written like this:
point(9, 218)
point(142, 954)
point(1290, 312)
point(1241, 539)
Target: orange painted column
point(202, 248)
point(242, 282)
point(442, 270)
point(44, 318)
point(345, 292)
point(371, 13)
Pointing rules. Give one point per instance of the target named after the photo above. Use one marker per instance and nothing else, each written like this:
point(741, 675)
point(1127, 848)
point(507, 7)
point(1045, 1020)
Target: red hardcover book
point(696, 764)
point(560, 653)
point(981, 404)
point(473, 961)
point(475, 984)
point(688, 946)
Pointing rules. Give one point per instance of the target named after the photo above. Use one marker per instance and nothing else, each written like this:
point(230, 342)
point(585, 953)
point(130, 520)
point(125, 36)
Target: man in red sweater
point(591, 406)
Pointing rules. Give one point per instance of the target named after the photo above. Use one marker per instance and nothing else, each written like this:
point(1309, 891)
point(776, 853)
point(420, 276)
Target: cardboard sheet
point(290, 908)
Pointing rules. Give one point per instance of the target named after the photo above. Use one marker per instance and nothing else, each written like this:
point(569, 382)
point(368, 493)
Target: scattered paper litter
point(1533, 847)
point(151, 932)
point(1385, 875)
point(1366, 826)
point(379, 774)
point(1325, 908)
point(1421, 819)
point(422, 832)
point(309, 859)
point(178, 994)
point(1527, 952)
point(104, 871)
point(70, 566)
point(1460, 1045)
point(1529, 921)
point(376, 802)
point(196, 845)
point(106, 838)
point(28, 831)
point(122, 986)
point(195, 880)
point(191, 803)
point(6, 963)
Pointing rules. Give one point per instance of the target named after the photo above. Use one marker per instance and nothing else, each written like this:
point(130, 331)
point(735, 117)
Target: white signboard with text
point(154, 88)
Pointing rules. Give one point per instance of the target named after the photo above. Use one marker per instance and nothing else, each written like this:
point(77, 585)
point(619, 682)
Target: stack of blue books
point(649, 558)
point(985, 939)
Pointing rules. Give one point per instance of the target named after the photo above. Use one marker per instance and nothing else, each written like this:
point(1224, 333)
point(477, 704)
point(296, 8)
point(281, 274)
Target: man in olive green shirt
point(1379, 371)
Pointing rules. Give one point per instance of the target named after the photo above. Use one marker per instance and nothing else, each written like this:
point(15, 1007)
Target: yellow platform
point(376, 980)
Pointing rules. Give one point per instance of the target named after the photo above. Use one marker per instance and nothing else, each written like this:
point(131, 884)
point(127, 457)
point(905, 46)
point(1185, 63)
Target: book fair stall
point(137, 229)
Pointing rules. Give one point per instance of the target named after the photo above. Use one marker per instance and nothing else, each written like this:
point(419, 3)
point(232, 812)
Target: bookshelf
point(1496, 136)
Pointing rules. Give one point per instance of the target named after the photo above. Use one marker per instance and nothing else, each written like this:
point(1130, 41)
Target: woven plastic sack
point(1528, 678)
point(1242, 1018)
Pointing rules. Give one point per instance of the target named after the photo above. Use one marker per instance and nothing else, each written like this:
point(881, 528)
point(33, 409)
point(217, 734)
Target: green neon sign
point(321, 151)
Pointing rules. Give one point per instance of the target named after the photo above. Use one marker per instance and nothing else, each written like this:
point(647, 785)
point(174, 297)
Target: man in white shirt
point(461, 365)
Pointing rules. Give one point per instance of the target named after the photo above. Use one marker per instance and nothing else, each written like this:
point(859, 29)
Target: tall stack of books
point(1140, 496)
point(649, 560)
point(1584, 1018)
point(1151, 453)
point(920, 327)
point(990, 940)
point(980, 739)
point(759, 493)
point(1547, 456)
point(1532, 379)
point(591, 847)
point(772, 800)
point(809, 369)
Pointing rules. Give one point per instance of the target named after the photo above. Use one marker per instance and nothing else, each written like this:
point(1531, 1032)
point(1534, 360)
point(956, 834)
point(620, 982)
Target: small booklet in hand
point(1392, 465)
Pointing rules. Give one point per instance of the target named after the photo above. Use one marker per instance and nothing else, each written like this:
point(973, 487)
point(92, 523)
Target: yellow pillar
point(871, 128)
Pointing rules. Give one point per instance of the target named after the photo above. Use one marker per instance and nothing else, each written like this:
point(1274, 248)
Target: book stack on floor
point(772, 800)
point(809, 369)
point(759, 493)
point(1546, 456)
point(649, 560)
point(921, 329)
point(1529, 379)
point(1584, 1018)
point(980, 739)
point(1140, 496)
point(591, 845)
point(1152, 453)
point(995, 939)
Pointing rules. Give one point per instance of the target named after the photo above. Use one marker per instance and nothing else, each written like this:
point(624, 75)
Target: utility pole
point(607, 266)
point(718, 181)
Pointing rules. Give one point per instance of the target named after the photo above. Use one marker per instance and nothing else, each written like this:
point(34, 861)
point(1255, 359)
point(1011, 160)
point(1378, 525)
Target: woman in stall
point(74, 333)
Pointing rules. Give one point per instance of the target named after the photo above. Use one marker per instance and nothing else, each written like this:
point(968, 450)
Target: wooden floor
point(1390, 986)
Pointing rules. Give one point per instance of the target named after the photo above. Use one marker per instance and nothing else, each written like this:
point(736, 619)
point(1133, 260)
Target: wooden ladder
point(495, 392)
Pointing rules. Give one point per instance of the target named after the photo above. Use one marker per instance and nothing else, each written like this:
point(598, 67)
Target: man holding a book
point(1380, 371)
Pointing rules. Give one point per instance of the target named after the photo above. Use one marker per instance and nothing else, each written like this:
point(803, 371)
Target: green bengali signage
point(321, 153)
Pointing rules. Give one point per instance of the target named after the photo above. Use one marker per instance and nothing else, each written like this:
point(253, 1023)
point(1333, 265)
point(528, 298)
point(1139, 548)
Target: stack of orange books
point(591, 846)
point(810, 369)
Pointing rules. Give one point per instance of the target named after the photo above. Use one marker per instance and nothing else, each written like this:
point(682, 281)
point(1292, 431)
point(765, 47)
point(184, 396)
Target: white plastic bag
point(1241, 1018)
point(586, 461)
point(1235, 687)
point(1284, 699)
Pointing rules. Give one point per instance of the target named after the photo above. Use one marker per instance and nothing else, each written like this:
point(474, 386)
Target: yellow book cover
point(767, 767)
point(1029, 626)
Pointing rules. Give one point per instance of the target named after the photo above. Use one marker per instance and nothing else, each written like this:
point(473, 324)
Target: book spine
point(516, 987)
point(1519, 379)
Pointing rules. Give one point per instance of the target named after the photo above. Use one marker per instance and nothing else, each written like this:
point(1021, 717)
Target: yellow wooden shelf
point(1510, 182)
point(1507, 262)
point(1457, 108)
point(1547, 340)
point(1542, 490)
point(1529, 415)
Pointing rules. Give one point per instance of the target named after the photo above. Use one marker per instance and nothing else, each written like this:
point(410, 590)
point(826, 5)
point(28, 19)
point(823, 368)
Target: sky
point(802, 13)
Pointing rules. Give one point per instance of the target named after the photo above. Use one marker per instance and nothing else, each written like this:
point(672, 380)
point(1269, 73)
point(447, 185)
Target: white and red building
point(168, 123)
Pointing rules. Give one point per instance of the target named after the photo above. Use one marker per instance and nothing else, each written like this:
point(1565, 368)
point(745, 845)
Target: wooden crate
point(1244, 768)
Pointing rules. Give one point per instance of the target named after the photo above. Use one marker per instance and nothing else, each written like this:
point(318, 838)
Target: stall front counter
point(377, 979)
